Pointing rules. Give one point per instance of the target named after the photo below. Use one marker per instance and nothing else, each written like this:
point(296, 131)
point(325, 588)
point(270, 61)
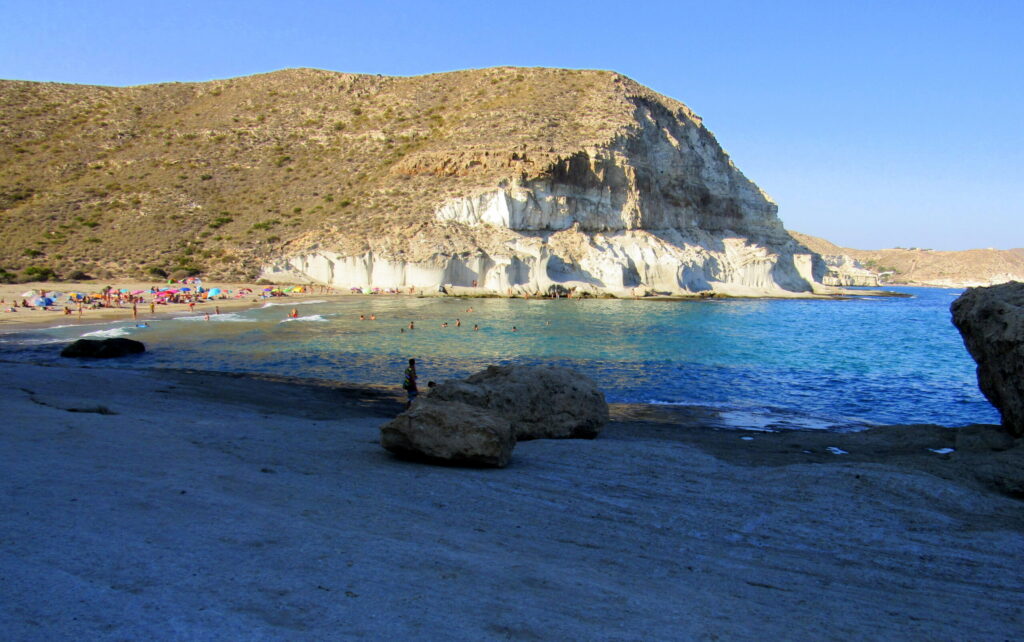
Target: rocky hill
point(915, 266)
point(516, 179)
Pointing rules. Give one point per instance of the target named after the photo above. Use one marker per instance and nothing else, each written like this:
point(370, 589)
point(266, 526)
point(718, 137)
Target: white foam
point(33, 342)
point(222, 318)
point(315, 317)
point(942, 451)
point(836, 451)
point(747, 438)
point(748, 420)
point(108, 334)
point(688, 404)
point(270, 304)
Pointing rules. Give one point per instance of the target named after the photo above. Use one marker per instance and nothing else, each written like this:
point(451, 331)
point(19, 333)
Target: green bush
point(265, 225)
point(39, 273)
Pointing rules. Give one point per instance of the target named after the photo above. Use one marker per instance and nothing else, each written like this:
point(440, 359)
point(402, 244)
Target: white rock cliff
point(660, 208)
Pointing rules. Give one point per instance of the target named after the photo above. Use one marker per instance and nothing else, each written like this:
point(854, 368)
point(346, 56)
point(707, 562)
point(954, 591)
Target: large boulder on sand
point(103, 348)
point(991, 321)
point(539, 401)
point(449, 432)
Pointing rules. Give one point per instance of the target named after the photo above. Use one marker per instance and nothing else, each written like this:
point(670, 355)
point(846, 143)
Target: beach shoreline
point(156, 503)
point(34, 318)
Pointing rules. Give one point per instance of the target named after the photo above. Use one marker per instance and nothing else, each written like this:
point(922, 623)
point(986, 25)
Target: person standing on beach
point(409, 383)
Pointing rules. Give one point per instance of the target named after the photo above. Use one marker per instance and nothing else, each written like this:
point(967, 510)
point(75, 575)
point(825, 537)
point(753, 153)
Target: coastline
point(159, 502)
point(25, 319)
point(34, 318)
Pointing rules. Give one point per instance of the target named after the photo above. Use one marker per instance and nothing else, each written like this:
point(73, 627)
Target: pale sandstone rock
point(991, 320)
point(539, 401)
point(660, 207)
point(451, 432)
point(846, 271)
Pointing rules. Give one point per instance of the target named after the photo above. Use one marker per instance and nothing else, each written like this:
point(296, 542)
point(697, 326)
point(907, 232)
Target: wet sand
point(172, 504)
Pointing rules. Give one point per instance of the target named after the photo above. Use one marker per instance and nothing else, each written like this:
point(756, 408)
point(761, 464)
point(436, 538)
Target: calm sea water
point(778, 363)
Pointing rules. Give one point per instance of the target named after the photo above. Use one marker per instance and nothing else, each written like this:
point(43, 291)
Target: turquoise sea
point(831, 364)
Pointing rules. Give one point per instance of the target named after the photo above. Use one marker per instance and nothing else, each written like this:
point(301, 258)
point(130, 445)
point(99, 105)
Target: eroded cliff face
point(659, 208)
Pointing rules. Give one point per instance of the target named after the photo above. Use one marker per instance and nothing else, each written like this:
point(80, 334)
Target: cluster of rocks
point(479, 420)
point(991, 321)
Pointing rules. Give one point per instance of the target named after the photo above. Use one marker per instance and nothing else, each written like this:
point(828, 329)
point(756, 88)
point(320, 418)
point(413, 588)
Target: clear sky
point(872, 124)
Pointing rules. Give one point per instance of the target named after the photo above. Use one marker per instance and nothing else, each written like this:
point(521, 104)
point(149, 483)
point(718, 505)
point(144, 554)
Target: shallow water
point(765, 363)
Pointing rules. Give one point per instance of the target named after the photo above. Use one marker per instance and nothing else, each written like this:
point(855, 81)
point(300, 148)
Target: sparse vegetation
point(39, 273)
point(389, 149)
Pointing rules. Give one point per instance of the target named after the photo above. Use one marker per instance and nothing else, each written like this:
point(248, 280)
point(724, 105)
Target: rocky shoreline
point(189, 504)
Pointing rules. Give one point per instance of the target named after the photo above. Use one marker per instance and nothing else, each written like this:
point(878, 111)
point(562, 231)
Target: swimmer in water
point(458, 323)
point(412, 325)
point(476, 327)
point(515, 329)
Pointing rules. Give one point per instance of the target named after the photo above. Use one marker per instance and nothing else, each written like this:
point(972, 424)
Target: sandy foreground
point(184, 505)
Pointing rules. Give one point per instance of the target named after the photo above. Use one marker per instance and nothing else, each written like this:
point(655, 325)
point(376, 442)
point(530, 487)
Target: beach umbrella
point(185, 290)
point(124, 290)
point(29, 293)
point(138, 291)
point(268, 289)
point(214, 291)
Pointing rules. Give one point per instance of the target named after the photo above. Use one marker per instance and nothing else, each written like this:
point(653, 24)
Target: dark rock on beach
point(450, 432)
point(477, 421)
point(103, 348)
point(541, 402)
point(991, 321)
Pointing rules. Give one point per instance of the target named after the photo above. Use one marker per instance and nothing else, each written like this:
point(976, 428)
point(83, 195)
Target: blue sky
point(872, 124)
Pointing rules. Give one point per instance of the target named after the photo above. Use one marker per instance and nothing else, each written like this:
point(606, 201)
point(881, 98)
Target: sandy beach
point(37, 316)
point(169, 504)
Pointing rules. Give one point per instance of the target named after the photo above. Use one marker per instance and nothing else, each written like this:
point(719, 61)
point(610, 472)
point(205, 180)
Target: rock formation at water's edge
point(991, 321)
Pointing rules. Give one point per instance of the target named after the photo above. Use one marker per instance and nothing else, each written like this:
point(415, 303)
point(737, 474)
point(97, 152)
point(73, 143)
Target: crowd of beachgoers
point(188, 292)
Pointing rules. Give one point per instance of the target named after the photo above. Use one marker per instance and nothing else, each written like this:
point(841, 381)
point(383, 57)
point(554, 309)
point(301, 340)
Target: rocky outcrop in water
point(103, 348)
point(991, 321)
point(846, 271)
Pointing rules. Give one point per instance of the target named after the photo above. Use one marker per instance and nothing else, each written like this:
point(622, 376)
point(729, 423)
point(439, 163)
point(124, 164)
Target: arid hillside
point(218, 176)
point(914, 266)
